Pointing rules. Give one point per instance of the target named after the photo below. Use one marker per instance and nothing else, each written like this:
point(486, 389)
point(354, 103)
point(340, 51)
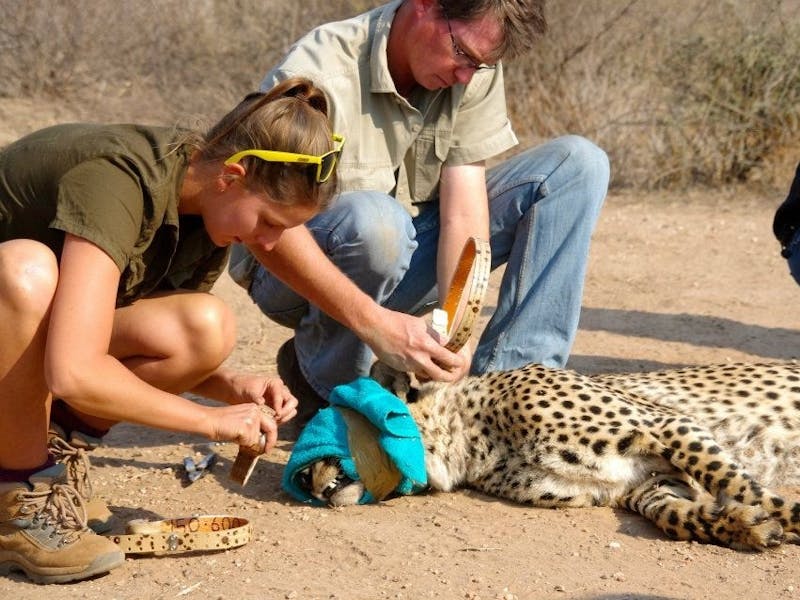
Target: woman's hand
point(234, 387)
point(243, 424)
point(268, 391)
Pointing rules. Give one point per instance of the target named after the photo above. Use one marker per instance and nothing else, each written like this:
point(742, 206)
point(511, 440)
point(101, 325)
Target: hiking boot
point(72, 454)
point(43, 531)
point(309, 401)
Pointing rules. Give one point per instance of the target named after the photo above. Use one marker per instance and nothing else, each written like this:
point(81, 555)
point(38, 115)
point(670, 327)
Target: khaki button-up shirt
point(395, 145)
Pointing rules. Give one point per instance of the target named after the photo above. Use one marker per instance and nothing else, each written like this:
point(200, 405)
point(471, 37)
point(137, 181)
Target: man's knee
point(368, 226)
point(584, 160)
point(570, 164)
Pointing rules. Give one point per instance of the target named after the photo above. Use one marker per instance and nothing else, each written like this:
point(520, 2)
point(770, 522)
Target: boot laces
point(58, 508)
point(76, 462)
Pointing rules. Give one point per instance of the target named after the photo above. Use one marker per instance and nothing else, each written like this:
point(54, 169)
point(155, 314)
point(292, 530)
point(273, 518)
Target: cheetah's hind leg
point(685, 513)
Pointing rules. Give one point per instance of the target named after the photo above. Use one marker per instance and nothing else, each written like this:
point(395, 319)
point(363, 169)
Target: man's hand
point(407, 343)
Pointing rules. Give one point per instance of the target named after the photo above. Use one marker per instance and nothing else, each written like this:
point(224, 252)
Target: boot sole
point(101, 564)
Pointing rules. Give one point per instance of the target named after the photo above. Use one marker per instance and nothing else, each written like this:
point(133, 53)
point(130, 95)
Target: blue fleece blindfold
point(326, 436)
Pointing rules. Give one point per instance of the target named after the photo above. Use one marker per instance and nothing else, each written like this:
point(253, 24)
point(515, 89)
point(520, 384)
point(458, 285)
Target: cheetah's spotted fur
point(690, 449)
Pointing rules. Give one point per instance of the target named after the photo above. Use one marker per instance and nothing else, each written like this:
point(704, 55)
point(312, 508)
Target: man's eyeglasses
point(472, 63)
point(326, 164)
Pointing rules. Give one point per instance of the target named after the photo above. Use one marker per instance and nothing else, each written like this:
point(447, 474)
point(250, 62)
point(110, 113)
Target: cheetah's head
point(326, 481)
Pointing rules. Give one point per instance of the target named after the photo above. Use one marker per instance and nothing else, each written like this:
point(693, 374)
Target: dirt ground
point(674, 279)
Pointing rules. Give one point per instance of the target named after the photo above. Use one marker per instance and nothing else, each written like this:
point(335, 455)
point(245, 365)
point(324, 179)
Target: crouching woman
point(111, 237)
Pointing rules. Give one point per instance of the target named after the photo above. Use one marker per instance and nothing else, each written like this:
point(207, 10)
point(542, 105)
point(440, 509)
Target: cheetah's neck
point(444, 426)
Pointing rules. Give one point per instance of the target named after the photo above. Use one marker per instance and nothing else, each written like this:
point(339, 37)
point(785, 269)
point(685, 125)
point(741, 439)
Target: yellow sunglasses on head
point(326, 163)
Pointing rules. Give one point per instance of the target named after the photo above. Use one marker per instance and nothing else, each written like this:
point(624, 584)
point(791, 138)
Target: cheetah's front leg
point(697, 454)
point(685, 513)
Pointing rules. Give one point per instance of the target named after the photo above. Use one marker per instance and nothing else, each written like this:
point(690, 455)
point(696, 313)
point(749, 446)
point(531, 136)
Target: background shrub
point(678, 92)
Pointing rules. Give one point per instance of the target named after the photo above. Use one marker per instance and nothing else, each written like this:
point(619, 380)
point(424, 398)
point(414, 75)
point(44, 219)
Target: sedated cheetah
point(690, 449)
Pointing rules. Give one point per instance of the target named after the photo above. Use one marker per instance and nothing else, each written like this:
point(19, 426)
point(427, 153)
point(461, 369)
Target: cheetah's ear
point(397, 382)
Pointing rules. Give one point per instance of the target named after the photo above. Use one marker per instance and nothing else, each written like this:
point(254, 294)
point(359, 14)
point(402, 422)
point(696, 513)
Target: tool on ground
point(196, 469)
point(247, 456)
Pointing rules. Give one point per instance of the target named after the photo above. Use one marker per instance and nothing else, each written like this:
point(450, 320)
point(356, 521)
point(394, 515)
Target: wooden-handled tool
point(247, 457)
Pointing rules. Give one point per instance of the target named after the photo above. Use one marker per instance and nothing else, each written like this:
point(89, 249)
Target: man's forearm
point(464, 212)
point(299, 262)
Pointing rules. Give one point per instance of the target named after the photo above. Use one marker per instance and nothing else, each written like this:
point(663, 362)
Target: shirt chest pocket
point(424, 163)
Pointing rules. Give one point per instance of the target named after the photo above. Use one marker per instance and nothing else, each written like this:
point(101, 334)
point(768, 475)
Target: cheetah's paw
point(745, 527)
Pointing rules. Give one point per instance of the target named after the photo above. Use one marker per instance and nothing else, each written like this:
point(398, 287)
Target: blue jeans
point(793, 256)
point(544, 204)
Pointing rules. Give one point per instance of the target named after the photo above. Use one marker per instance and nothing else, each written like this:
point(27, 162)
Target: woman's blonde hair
point(291, 117)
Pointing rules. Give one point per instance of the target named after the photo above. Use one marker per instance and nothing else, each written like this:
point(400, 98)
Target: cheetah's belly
point(599, 481)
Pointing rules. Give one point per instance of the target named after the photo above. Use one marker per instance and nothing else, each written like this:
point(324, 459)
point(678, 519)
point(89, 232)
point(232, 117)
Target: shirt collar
point(380, 78)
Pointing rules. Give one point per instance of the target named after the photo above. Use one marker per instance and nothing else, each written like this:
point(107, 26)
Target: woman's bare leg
point(28, 279)
point(172, 341)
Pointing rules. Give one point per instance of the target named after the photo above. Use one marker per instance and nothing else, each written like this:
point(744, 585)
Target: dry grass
point(679, 92)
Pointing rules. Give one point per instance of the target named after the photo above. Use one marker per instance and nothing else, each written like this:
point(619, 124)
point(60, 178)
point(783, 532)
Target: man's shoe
point(309, 401)
point(72, 454)
point(43, 531)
